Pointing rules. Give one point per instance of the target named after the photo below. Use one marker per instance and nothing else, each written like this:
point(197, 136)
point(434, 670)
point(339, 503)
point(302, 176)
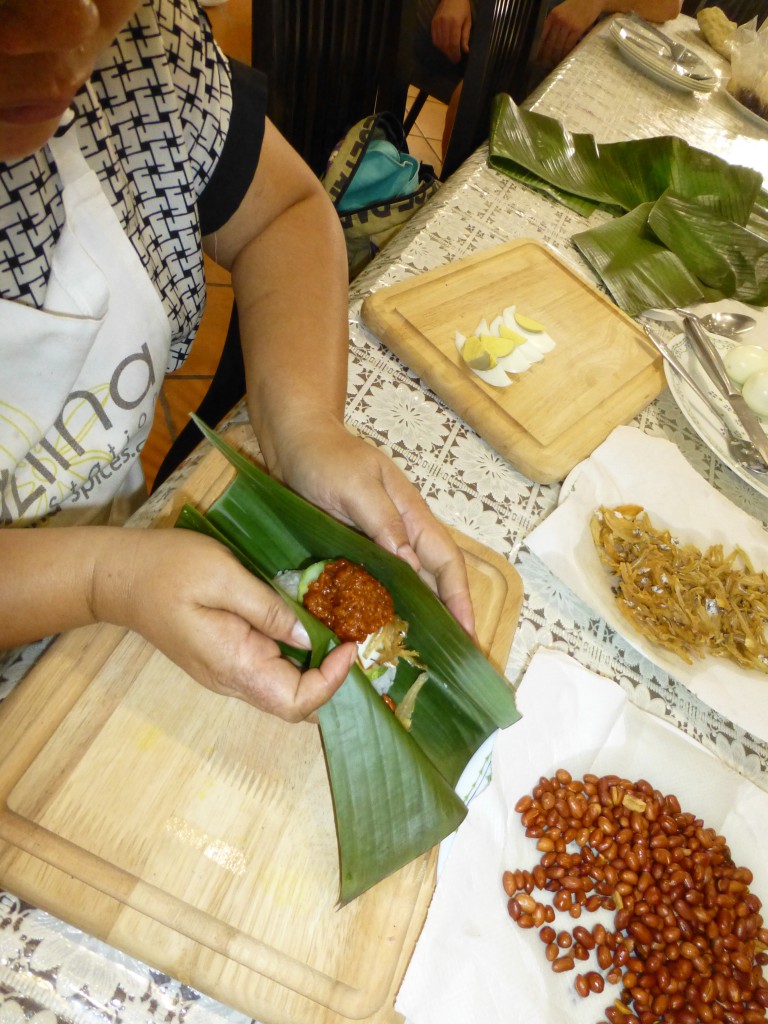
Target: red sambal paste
point(349, 600)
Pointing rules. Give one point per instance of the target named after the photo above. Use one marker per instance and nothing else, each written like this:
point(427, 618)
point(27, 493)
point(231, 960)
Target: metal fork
point(743, 451)
point(680, 54)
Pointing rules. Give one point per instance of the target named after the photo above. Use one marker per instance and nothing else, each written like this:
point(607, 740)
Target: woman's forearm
point(285, 249)
point(291, 284)
point(652, 10)
point(47, 579)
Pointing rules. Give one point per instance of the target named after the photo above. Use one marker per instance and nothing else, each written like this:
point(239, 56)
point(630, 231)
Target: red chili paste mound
point(349, 600)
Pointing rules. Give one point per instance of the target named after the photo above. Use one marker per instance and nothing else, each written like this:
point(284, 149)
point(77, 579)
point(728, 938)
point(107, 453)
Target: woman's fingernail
point(299, 636)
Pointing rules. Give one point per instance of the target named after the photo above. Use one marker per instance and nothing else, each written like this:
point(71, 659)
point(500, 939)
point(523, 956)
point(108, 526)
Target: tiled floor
point(183, 391)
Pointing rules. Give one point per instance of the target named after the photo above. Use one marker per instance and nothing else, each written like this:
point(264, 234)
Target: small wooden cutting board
point(194, 832)
point(601, 373)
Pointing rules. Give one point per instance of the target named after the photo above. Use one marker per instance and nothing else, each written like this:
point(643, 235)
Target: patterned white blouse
point(173, 130)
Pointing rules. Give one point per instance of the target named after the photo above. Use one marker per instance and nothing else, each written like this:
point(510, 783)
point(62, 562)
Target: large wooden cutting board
point(195, 833)
point(601, 373)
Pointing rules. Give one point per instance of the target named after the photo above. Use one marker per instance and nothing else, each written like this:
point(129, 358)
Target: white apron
point(80, 377)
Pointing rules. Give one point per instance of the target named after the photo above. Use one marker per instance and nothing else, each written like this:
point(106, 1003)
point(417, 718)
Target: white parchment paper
point(633, 468)
point(473, 964)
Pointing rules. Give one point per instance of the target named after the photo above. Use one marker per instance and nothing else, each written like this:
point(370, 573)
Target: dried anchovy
point(691, 603)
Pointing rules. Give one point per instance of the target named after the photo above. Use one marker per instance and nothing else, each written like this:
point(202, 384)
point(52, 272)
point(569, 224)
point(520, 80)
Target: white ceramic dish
point(700, 417)
point(645, 51)
point(472, 782)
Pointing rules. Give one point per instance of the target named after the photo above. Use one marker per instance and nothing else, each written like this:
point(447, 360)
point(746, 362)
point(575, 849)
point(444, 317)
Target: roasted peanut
point(689, 943)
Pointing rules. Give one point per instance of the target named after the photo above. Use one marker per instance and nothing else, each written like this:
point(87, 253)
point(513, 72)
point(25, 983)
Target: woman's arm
point(187, 594)
point(286, 251)
point(570, 20)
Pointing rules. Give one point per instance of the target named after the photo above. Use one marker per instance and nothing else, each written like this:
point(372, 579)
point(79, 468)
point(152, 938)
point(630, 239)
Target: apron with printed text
point(79, 378)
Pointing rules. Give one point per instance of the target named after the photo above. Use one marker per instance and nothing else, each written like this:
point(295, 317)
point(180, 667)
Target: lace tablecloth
point(49, 971)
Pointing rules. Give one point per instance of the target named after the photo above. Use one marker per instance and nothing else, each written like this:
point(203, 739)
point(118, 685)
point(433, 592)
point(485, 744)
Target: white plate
point(473, 780)
point(701, 418)
point(750, 115)
point(646, 52)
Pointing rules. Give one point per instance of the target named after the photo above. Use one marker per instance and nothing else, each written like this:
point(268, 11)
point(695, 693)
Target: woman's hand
point(191, 598)
point(572, 19)
point(354, 481)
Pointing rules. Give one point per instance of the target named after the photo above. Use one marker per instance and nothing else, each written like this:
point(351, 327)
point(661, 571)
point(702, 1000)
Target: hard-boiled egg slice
point(528, 323)
point(497, 346)
point(477, 355)
point(482, 328)
point(515, 362)
point(531, 353)
point(496, 324)
point(508, 316)
point(542, 342)
point(510, 335)
point(496, 377)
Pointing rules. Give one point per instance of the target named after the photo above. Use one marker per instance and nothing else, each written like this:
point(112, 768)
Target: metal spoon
point(743, 451)
point(728, 325)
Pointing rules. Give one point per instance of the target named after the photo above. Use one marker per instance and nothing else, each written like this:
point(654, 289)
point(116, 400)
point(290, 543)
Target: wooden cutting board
point(601, 373)
point(195, 833)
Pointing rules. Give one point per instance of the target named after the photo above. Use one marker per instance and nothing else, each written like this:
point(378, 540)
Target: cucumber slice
point(309, 575)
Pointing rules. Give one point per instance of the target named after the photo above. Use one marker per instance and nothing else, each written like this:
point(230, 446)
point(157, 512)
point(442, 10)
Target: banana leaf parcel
point(392, 787)
point(688, 226)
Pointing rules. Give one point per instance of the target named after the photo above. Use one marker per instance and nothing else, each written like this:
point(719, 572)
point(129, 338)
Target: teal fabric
point(383, 174)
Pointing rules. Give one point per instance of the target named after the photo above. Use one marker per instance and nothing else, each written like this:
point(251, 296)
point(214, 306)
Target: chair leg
point(416, 108)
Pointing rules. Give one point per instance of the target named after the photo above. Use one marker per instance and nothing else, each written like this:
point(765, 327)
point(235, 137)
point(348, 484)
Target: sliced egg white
point(531, 352)
point(541, 341)
point(508, 316)
point(497, 377)
point(516, 362)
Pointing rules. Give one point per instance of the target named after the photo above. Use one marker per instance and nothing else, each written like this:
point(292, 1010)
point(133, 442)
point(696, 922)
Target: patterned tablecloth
point(49, 971)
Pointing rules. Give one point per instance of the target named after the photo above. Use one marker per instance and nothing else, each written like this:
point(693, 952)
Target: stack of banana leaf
point(392, 786)
point(688, 226)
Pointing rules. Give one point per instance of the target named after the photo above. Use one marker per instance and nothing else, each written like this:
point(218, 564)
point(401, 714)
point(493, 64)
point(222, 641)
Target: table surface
point(50, 971)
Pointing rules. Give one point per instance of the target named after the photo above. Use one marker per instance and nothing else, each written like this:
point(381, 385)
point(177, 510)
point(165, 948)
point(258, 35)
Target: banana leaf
point(393, 789)
point(696, 192)
point(724, 255)
point(636, 268)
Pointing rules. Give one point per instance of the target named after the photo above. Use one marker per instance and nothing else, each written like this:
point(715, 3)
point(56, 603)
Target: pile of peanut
point(687, 942)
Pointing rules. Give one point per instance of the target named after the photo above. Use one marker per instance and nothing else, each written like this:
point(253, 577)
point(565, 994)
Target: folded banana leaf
point(710, 228)
point(393, 788)
point(639, 271)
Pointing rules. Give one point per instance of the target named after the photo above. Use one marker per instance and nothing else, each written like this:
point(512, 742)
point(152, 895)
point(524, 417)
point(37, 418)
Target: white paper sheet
point(473, 964)
point(632, 468)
